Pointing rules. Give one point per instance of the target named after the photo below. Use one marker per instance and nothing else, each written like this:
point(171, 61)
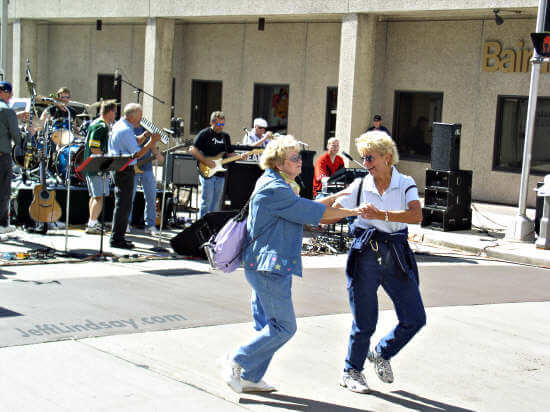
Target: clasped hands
point(369, 211)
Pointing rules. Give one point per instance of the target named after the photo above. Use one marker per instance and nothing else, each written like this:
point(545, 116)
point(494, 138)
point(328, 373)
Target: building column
point(356, 78)
point(157, 73)
point(24, 47)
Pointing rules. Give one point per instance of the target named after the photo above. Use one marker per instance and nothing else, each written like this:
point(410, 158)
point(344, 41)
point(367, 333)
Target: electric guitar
point(207, 172)
point(143, 161)
point(44, 207)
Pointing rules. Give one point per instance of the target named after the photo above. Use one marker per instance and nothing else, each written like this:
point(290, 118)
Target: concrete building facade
point(443, 60)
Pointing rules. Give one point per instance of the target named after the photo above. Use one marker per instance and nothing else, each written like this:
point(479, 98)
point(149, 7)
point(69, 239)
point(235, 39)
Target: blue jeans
point(212, 192)
point(274, 318)
point(363, 283)
point(149, 185)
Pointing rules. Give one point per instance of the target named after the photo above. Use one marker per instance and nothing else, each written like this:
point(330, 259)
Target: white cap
point(260, 122)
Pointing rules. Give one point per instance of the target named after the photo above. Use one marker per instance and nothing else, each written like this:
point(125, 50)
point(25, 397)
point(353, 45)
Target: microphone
point(117, 74)
point(353, 160)
point(302, 143)
point(168, 130)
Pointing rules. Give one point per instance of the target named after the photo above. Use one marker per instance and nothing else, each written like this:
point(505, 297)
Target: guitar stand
point(101, 165)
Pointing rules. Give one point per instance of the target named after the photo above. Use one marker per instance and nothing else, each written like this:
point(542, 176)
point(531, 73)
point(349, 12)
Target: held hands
point(155, 137)
point(369, 211)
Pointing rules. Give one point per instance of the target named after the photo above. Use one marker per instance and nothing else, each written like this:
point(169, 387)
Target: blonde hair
point(377, 142)
point(63, 90)
point(275, 152)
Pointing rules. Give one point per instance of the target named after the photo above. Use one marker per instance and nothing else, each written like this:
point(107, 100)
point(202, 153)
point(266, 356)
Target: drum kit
point(61, 141)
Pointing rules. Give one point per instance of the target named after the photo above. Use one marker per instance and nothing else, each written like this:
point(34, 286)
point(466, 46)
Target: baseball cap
point(260, 122)
point(377, 118)
point(5, 86)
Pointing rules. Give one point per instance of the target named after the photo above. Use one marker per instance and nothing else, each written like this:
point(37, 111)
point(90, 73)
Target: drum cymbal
point(95, 105)
point(84, 114)
point(74, 103)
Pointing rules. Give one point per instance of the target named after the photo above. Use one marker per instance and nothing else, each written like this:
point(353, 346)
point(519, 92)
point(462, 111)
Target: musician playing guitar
point(148, 183)
point(210, 142)
point(9, 131)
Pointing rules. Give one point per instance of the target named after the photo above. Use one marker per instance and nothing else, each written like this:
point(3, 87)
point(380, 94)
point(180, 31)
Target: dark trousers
point(5, 188)
point(124, 187)
point(367, 275)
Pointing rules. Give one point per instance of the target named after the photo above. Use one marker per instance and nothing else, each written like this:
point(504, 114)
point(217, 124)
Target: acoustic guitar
point(207, 172)
point(143, 161)
point(44, 208)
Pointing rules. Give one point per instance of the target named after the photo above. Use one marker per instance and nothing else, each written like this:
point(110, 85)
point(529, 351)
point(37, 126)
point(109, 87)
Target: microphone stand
point(139, 90)
point(353, 160)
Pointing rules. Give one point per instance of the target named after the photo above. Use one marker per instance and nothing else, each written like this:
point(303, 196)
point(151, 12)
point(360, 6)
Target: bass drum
point(62, 160)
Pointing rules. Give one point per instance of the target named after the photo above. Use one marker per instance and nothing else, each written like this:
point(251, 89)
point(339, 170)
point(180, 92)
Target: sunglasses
point(220, 124)
point(295, 158)
point(368, 158)
point(259, 127)
point(64, 97)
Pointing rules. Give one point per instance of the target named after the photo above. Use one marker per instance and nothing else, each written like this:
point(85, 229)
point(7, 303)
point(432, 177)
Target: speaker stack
point(448, 193)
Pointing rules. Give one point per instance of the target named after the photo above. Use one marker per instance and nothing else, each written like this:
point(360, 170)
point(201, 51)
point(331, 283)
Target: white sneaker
point(382, 366)
point(7, 229)
point(354, 381)
point(151, 230)
point(262, 386)
point(129, 229)
point(231, 373)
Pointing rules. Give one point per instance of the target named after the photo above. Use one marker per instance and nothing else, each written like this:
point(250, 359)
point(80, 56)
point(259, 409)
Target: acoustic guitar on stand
point(207, 172)
point(44, 208)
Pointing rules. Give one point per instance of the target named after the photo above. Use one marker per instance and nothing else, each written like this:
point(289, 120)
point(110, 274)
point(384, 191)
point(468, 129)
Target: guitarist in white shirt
point(210, 142)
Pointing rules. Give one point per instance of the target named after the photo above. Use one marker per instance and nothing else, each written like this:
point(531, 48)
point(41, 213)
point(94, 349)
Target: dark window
point(330, 116)
point(106, 90)
point(510, 135)
point(206, 97)
point(413, 118)
point(271, 103)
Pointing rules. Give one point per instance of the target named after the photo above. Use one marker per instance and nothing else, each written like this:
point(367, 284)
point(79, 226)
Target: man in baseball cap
point(258, 136)
point(377, 125)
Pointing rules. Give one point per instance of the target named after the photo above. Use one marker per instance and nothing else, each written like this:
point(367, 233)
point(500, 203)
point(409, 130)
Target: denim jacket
point(277, 214)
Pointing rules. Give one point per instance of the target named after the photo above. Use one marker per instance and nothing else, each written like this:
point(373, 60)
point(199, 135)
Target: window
point(271, 103)
point(206, 97)
point(330, 116)
point(510, 135)
point(106, 89)
point(414, 115)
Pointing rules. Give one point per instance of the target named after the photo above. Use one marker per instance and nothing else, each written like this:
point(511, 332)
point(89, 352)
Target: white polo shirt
point(400, 193)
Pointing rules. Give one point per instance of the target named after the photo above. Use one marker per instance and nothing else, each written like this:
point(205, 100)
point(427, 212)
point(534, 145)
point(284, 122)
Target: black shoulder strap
point(359, 191)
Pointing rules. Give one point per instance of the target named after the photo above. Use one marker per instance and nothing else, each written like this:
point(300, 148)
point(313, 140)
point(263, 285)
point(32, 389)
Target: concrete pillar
point(157, 73)
point(356, 78)
point(24, 47)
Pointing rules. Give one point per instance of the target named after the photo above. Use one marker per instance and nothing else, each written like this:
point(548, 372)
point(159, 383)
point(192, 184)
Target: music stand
point(102, 164)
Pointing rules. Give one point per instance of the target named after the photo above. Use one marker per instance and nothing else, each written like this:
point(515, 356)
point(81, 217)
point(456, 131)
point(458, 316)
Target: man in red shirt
point(326, 165)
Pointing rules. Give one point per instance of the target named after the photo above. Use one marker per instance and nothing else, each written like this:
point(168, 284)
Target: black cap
point(377, 118)
point(5, 86)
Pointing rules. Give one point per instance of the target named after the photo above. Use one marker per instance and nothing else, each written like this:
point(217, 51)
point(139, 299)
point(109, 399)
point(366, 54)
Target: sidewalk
point(489, 224)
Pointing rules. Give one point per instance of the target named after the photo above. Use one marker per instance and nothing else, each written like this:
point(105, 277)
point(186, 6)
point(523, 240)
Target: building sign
point(497, 59)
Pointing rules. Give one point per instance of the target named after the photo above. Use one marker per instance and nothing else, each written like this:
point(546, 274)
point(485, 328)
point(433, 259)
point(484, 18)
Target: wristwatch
point(387, 219)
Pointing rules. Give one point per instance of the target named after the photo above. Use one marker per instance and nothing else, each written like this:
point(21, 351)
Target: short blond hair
point(275, 152)
point(377, 142)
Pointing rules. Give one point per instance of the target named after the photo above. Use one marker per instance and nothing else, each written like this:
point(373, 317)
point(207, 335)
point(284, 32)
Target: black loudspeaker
point(447, 200)
point(305, 180)
point(240, 180)
point(189, 241)
point(446, 146)
point(182, 170)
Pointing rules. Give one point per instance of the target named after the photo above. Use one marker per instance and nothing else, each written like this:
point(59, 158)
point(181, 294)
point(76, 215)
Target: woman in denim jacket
point(276, 219)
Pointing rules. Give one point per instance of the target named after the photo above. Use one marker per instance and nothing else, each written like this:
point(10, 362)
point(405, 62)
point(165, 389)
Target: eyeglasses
point(259, 127)
point(368, 158)
point(220, 124)
point(64, 97)
point(295, 158)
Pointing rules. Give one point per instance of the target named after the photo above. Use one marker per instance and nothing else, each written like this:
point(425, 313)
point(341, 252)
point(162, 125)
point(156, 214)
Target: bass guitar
point(207, 172)
point(143, 161)
point(44, 208)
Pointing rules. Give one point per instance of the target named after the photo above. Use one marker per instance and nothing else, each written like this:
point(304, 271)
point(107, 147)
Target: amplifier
point(454, 181)
point(446, 220)
point(181, 170)
point(447, 199)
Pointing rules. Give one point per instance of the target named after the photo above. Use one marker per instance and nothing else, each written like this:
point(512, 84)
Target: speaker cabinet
point(446, 146)
point(182, 170)
point(448, 200)
point(189, 241)
point(305, 179)
point(240, 180)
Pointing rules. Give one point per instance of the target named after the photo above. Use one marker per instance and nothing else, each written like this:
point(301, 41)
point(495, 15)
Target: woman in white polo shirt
point(380, 255)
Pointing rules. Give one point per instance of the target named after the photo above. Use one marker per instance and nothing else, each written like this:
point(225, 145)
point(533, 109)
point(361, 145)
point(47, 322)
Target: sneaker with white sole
point(7, 229)
point(355, 381)
point(94, 229)
point(231, 373)
point(382, 366)
point(261, 386)
point(151, 230)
